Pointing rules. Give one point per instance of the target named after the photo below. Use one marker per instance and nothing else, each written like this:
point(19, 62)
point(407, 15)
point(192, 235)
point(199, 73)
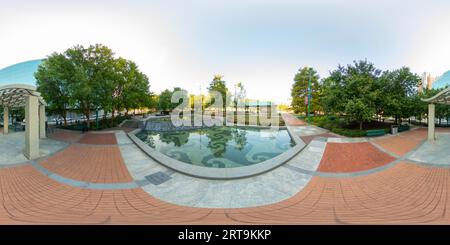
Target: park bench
point(376, 132)
point(402, 128)
point(81, 127)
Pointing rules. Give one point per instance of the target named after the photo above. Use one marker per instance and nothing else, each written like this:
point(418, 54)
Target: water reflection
point(219, 147)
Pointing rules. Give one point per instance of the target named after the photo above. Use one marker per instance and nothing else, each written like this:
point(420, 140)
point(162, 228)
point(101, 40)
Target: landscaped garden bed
point(342, 126)
point(102, 124)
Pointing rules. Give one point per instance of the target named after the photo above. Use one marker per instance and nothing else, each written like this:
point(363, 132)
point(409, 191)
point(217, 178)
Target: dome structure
point(21, 73)
point(17, 82)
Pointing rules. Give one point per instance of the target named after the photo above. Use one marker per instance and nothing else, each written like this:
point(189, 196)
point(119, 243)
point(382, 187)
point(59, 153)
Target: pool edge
point(220, 173)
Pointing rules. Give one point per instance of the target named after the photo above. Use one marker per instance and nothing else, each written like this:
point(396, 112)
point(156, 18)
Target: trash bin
point(394, 129)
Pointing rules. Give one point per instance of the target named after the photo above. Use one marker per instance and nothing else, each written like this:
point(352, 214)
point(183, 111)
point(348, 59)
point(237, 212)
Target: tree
point(165, 100)
point(53, 78)
point(131, 87)
point(240, 94)
point(359, 111)
point(218, 85)
point(299, 90)
point(352, 88)
point(90, 79)
point(91, 82)
point(398, 88)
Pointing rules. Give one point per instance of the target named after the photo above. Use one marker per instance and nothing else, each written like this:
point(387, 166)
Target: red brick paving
point(66, 135)
point(352, 157)
point(291, 120)
point(99, 139)
point(402, 143)
point(403, 194)
point(92, 164)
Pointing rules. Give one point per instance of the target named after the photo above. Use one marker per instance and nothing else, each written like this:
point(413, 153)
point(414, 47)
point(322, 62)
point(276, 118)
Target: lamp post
point(235, 104)
point(309, 96)
point(96, 117)
point(201, 102)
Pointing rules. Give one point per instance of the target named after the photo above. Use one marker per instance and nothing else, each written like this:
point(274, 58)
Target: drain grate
point(157, 178)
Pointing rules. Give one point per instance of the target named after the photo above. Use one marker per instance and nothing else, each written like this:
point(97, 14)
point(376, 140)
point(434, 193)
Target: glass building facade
point(22, 73)
point(443, 81)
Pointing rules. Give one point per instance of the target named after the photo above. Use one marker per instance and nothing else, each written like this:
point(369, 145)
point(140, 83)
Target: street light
point(309, 96)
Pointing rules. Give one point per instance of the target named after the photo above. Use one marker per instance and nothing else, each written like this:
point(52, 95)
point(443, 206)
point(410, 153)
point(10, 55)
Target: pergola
point(442, 97)
point(18, 95)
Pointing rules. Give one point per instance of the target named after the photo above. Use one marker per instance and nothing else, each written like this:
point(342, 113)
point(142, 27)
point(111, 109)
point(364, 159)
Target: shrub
point(102, 124)
point(349, 132)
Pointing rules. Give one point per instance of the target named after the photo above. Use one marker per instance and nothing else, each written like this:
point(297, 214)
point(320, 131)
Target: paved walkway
point(12, 147)
point(99, 179)
point(168, 185)
point(292, 120)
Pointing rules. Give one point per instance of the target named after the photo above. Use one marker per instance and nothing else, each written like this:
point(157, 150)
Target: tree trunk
point(112, 116)
point(88, 119)
point(360, 125)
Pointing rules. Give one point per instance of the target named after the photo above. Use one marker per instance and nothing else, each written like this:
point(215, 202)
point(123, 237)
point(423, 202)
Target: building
point(22, 73)
point(443, 97)
point(442, 81)
point(18, 89)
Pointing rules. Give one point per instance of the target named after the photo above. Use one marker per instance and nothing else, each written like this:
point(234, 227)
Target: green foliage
point(352, 90)
point(218, 85)
point(349, 132)
point(131, 87)
point(53, 80)
point(359, 111)
point(16, 114)
point(86, 79)
point(398, 88)
point(165, 100)
point(299, 90)
point(361, 91)
point(343, 125)
point(103, 124)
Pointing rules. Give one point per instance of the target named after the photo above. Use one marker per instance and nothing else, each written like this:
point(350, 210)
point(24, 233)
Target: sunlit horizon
point(261, 44)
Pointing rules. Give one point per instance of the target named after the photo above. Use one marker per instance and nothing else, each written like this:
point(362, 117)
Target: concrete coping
point(219, 173)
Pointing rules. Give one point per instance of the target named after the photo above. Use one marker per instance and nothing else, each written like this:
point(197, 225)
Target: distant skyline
point(259, 43)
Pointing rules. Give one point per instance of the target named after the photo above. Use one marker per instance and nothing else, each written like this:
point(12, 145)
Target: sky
point(259, 43)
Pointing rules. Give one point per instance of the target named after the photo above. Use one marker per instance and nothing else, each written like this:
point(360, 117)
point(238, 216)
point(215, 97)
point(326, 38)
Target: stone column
point(42, 124)
point(5, 120)
point(431, 133)
point(32, 127)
